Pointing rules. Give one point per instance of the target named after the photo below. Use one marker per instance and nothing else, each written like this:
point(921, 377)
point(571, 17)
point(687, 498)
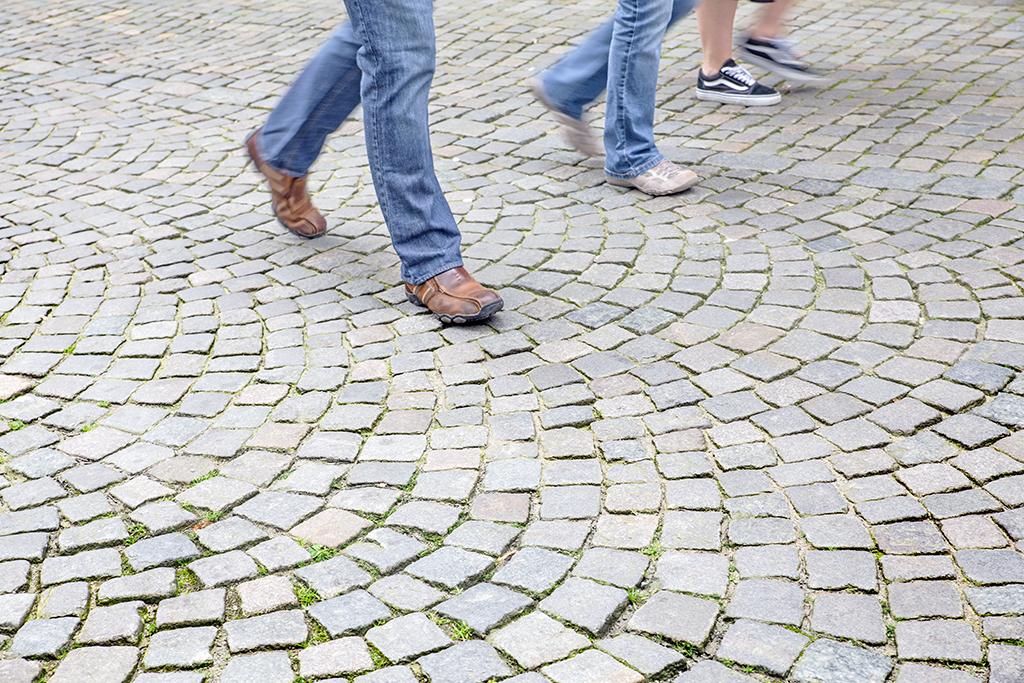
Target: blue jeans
point(384, 58)
point(621, 55)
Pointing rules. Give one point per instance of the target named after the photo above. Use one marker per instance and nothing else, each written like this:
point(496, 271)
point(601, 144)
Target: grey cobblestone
point(336, 657)
point(277, 629)
point(269, 666)
point(407, 637)
point(768, 647)
point(115, 624)
point(114, 664)
point(180, 648)
point(43, 637)
point(775, 405)
point(148, 585)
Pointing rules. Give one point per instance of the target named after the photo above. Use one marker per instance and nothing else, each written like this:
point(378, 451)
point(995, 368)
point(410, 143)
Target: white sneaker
point(576, 132)
point(665, 178)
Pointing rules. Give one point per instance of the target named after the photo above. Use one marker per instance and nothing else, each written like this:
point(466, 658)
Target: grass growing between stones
point(317, 634)
point(457, 630)
point(686, 649)
point(461, 631)
point(653, 550)
point(209, 475)
point(149, 622)
point(136, 532)
point(186, 580)
point(319, 553)
point(377, 657)
point(306, 595)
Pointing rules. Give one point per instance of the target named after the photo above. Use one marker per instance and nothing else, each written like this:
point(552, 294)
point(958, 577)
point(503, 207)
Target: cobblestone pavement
point(768, 429)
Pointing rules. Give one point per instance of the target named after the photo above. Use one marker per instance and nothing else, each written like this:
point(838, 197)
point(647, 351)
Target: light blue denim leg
point(632, 39)
point(639, 27)
point(322, 97)
point(388, 49)
point(397, 60)
point(578, 78)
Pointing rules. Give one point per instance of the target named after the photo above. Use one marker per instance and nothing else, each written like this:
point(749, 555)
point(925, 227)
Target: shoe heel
point(413, 299)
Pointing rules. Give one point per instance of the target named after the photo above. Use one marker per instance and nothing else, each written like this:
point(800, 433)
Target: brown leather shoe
point(455, 297)
point(291, 203)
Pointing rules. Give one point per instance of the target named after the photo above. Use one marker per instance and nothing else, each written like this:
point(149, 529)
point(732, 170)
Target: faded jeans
point(621, 55)
point(382, 57)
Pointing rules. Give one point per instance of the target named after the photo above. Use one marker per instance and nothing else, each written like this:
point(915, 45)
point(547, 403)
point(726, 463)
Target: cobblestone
point(774, 422)
point(114, 664)
point(830, 660)
point(114, 624)
point(43, 637)
point(768, 647)
point(406, 637)
point(276, 629)
point(180, 648)
point(335, 658)
point(266, 666)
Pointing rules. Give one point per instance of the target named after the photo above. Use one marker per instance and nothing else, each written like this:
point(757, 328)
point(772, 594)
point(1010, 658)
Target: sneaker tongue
point(730, 62)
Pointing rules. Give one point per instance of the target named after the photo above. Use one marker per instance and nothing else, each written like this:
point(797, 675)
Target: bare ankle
point(712, 68)
point(758, 33)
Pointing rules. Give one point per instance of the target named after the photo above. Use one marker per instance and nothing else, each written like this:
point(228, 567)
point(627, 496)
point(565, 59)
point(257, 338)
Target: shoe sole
point(746, 100)
point(564, 120)
point(625, 182)
point(485, 312)
point(273, 209)
point(791, 75)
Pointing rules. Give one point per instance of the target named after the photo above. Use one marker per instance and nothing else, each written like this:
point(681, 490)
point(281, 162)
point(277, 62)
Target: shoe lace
point(666, 170)
point(740, 74)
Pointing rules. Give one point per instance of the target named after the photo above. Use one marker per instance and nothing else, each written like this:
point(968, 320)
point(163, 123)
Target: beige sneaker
point(576, 132)
point(665, 178)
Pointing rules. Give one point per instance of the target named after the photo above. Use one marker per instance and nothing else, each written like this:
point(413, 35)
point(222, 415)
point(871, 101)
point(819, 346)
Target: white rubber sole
point(790, 75)
point(745, 100)
point(629, 182)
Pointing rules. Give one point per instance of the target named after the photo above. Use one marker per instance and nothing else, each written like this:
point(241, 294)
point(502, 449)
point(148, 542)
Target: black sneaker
point(734, 85)
point(780, 57)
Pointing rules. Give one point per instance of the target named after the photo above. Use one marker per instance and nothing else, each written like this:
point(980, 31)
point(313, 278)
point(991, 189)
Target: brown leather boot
point(289, 199)
point(455, 297)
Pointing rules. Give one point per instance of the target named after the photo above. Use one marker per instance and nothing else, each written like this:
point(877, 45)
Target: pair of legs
point(621, 56)
point(721, 79)
point(716, 19)
point(382, 58)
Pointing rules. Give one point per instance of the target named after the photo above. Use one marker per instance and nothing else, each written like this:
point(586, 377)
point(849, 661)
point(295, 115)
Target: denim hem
point(637, 170)
point(554, 102)
point(619, 104)
point(448, 265)
point(285, 171)
point(272, 162)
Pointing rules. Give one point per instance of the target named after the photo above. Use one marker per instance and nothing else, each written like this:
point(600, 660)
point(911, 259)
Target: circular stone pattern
point(770, 429)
